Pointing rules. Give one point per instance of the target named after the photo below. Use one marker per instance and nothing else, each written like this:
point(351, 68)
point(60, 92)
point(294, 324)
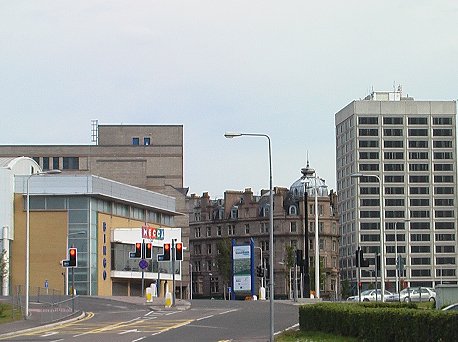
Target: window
point(393, 144)
point(136, 141)
point(442, 121)
point(394, 179)
point(443, 179)
point(421, 273)
point(247, 228)
point(414, 190)
point(419, 213)
point(389, 120)
point(444, 202)
point(418, 167)
point(443, 144)
point(293, 227)
point(444, 225)
point(231, 229)
point(418, 202)
point(264, 245)
point(417, 132)
point(146, 141)
point(445, 260)
point(197, 232)
point(292, 210)
point(393, 167)
point(420, 237)
point(368, 143)
point(445, 237)
point(370, 202)
point(418, 155)
point(218, 231)
point(393, 190)
point(443, 190)
point(234, 213)
point(442, 132)
point(368, 132)
point(419, 225)
point(445, 249)
point(394, 202)
point(418, 121)
point(420, 249)
point(419, 179)
point(197, 250)
point(443, 155)
point(444, 213)
point(368, 120)
point(45, 163)
point(368, 167)
point(71, 163)
point(393, 155)
point(209, 231)
point(368, 155)
point(55, 163)
point(418, 143)
point(209, 250)
point(388, 132)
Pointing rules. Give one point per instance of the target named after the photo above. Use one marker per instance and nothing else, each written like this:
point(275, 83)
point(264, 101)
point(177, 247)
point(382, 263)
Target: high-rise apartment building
point(396, 169)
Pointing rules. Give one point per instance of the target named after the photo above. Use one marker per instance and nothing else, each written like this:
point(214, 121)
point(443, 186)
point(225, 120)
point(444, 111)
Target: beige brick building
point(241, 216)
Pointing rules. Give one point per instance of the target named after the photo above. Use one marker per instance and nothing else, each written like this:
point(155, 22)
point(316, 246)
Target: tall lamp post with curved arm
point(271, 225)
point(382, 229)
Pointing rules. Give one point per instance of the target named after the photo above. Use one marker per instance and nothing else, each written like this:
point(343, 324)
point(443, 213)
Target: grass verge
point(311, 336)
point(7, 314)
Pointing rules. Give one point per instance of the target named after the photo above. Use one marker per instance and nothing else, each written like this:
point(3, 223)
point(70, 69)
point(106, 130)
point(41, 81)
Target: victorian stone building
point(241, 216)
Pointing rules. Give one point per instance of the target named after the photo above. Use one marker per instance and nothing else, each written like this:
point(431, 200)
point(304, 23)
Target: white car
point(451, 307)
point(369, 296)
point(418, 294)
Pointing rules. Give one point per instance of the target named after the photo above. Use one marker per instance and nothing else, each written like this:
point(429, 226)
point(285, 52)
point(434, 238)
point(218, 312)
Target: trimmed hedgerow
point(380, 321)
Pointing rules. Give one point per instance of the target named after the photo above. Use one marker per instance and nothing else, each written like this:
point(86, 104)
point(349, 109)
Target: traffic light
point(299, 257)
point(138, 250)
point(166, 252)
point(72, 257)
point(148, 250)
point(179, 251)
point(259, 271)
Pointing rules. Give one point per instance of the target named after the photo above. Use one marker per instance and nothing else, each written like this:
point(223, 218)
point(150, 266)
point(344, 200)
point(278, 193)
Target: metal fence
point(46, 305)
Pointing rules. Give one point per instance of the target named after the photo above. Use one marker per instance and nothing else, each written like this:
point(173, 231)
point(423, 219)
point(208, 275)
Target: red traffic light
point(179, 251)
point(179, 246)
point(72, 252)
point(166, 246)
point(72, 260)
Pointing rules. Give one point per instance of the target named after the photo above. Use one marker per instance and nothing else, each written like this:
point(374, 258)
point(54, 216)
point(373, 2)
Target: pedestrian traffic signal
point(299, 257)
point(179, 251)
point(148, 250)
point(138, 250)
point(259, 271)
point(72, 257)
point(166, 252)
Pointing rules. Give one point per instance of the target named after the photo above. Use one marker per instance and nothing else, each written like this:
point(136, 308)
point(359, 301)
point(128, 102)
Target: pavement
point(35, 321)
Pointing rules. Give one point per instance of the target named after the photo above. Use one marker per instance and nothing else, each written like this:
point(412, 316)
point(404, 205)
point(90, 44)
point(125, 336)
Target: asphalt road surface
point(206, 320)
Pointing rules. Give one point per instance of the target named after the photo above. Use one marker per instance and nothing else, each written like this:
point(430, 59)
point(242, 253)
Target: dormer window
point(292, 210)
point(234, 213)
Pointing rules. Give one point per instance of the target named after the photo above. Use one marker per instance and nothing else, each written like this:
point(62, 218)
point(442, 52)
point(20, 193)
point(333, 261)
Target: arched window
point(292, 210)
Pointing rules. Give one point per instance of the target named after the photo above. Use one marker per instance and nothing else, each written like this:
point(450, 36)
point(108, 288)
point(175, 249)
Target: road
point(206, 320)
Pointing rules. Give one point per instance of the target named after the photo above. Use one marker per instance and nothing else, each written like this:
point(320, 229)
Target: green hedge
point(380, 321)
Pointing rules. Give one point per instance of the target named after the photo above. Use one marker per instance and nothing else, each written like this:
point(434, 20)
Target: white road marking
point(50, 334)
point(199, 319)
point(128, 331)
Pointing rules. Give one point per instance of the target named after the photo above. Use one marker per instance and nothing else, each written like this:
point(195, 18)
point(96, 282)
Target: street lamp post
point(27, 239)
point(382, 230)
point(271, 225)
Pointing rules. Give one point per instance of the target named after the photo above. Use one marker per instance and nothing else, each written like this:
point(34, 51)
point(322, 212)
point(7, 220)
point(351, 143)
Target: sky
point(281, 68)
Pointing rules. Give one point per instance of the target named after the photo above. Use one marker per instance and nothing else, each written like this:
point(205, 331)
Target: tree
point(290, 262)
point(3, 264)
point(223, 262)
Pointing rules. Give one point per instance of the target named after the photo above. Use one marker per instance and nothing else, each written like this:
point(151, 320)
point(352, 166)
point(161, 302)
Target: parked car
point(416, 294)
point(369, 296)
point(451, 307)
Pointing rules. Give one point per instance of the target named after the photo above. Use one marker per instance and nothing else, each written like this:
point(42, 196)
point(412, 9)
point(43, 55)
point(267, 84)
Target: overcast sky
point(281, 68)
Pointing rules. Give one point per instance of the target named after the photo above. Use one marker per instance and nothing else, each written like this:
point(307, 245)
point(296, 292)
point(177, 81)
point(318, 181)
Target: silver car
point(369, 296)
point(418, 294)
